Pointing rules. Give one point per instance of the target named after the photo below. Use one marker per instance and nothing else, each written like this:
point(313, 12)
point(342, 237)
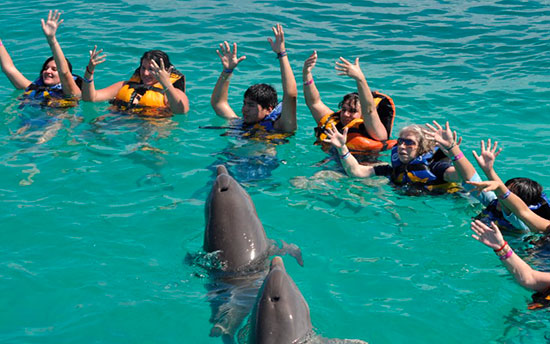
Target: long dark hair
point(51, 59)
point(155, 55)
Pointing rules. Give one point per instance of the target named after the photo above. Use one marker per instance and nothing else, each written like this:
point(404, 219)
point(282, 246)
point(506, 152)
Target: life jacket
point(265, 129)
point(417, 172)
point(134, 94)
point(51, 96)
point(508, 222)
point(540, 299)
point(358, 140)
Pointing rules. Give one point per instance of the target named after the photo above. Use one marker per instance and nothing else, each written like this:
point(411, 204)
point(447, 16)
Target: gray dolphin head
point(232, 225)
point(281, 314)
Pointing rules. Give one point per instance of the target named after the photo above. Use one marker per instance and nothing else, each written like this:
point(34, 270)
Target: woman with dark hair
point(154, 84)
point(56, 86)
point(367, 115)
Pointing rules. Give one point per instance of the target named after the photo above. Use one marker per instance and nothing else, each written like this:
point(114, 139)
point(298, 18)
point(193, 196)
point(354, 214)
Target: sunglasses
point(407, 142)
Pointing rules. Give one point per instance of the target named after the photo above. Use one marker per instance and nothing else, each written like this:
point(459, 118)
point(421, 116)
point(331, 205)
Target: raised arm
point(371, 120)
point(49, 27)
point(352, 167)
point(522, 272)
point(17, 79)
point(287, 122)
point(89, 93)
point(515, 204)
point(176, 98)
point(446, 139)
point(486, 159)
point(313, 99)
point(229, 60)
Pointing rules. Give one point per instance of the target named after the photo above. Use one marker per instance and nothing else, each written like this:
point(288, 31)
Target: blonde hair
point(424, 144)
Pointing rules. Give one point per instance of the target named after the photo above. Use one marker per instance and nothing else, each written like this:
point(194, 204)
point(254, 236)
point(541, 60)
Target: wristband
point(228, 71)
point(501, 247)
point(458, 156)
point(507, 255)
point(345, 156)
point(1, 44)
point(281, 54)
point(87, 70)
point(505, 196)
point(87, 81)
point(309, 82)
point(452, 146)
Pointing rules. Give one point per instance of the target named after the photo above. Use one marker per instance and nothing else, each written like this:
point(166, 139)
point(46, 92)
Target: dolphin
point(236, 238)
point(281, 314)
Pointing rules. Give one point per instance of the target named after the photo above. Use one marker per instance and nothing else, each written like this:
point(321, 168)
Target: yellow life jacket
point(358, 139)
point(135, 94)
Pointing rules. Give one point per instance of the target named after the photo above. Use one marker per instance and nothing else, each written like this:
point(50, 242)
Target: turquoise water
point(96, 221)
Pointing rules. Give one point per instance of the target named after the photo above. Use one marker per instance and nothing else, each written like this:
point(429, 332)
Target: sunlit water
point(98, 213)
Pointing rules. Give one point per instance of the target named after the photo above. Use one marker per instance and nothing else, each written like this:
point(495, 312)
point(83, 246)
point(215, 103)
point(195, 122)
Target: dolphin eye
point(275, 299)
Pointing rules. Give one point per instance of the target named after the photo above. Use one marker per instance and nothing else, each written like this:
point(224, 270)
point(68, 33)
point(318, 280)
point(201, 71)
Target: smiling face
point(350, 110)
point(146, 73)
point(407, 147)
point(253, 112)
point(50, 76)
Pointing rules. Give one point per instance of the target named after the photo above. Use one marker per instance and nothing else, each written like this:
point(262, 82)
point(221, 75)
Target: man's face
point(253, 112)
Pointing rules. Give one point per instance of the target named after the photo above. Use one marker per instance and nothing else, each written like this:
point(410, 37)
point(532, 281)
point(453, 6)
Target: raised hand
point(335, 138)
point(279, 45)
point(484, 186)
point(486, 159)
point(444, 138)
point(490, 236)
point(310, 63)
point(95, 59)
point(229, 58)
point(350, 69)
point(161, 73)
point(51, 24)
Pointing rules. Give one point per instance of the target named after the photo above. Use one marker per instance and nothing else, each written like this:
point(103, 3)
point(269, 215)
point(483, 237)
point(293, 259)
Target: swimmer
point(355, 105)
point(155, 84)
point(56, 80)
point(260, 100)
point(527, 189)
point(526, 276)
point(415, 161)
point(513, 202)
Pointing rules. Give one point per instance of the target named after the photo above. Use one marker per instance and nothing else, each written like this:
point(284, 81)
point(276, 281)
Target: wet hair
point(51, 59)
point(263, 94)
point(530, 192)
point(353, 97)
point(424, 144)
point(154, 55)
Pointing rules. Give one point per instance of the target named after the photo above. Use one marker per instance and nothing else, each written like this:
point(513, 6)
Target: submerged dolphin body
point(235, 235)
point(281, 314)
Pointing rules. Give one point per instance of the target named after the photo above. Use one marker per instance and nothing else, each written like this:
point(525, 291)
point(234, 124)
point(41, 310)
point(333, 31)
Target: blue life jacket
point(50, 95)
point(417, 172)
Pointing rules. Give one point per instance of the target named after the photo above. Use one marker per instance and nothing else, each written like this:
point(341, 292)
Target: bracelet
point(458, 156)
point(504, 251)
point(452, 146)
point(228, 71)
point(345, 156)
point(309, 82)
point(505, 196)
point(87, 81)
point(281, 54)
point(507, 255)
point(87, 70)
point(501, 247)
point(1, 44)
